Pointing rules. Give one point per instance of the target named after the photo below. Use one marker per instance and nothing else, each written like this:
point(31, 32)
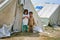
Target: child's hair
point(25, 10)
point(30, 12)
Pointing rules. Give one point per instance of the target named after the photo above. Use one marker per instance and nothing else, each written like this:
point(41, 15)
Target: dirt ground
point(48, 34)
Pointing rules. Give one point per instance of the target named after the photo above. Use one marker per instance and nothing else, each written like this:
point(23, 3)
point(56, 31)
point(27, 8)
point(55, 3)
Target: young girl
point(25, 21)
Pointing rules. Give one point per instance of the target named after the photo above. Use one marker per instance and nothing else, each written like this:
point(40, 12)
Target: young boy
point(25, 21)
point(31, 22)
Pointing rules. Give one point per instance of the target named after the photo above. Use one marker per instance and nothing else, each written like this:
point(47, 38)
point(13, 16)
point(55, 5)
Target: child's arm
point(26, 16)
point(23, 17)
point(28, 21)
point(34, 22)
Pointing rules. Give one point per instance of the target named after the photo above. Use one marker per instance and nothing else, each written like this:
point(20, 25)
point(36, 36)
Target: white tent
point(50, 14)
point(12, 13)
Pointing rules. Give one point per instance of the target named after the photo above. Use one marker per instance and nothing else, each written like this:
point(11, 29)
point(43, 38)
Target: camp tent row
point(49, 14)
point(11, 13)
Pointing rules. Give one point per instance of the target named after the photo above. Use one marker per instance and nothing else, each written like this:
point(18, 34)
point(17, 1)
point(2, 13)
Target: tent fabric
point(7, 17)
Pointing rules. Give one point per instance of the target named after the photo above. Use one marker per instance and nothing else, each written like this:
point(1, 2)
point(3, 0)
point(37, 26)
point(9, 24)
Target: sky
point(46, 1)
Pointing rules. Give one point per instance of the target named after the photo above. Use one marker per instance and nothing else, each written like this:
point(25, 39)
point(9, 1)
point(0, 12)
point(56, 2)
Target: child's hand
point(26, 16)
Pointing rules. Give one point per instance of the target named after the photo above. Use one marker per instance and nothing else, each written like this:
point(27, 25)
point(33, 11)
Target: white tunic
point(25, 20)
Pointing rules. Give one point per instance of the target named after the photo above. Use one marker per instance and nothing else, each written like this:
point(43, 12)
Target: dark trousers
point(30, 28)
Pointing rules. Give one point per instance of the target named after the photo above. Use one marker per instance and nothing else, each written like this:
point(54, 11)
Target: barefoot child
point(25, 21)
point(31, 22)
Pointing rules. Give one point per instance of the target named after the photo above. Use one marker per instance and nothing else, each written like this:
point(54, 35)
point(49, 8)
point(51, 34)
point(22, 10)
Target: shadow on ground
point(25, 34)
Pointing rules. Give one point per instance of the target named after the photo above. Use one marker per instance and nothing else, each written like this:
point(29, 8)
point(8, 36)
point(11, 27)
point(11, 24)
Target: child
point(25, 21)
point(31, 22)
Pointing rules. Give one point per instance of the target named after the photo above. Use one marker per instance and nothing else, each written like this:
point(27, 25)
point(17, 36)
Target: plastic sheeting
point(4, 32)
point(37, 29)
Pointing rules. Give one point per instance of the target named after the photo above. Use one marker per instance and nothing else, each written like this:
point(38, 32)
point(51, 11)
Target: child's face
point(26, 12)
point(31, 15)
